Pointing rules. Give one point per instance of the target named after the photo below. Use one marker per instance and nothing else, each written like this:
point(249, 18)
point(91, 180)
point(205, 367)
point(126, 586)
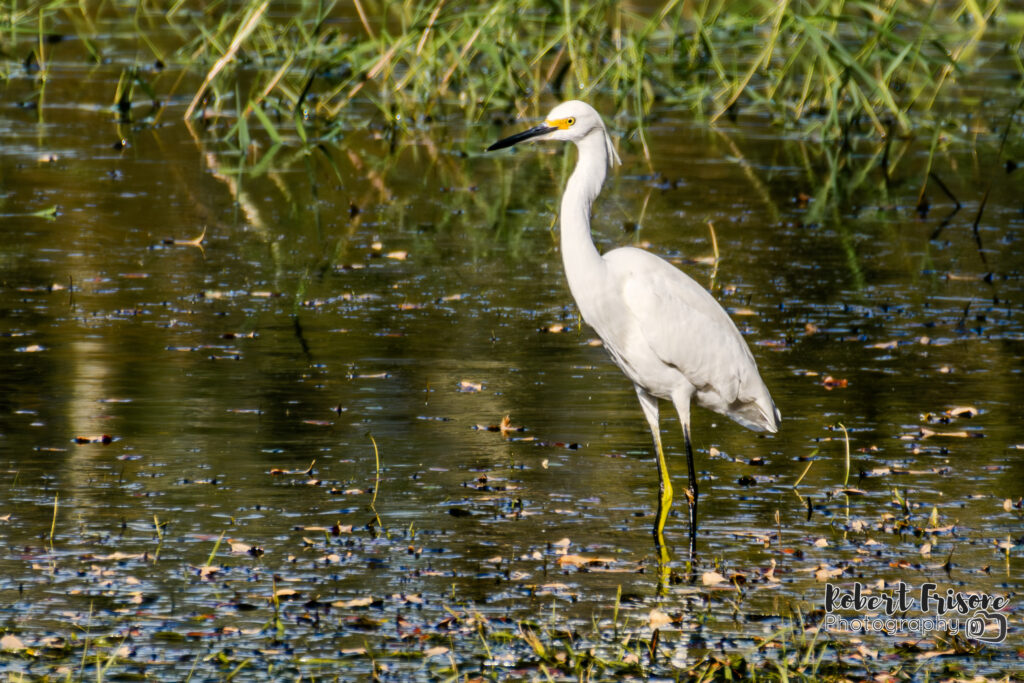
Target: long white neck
point(584, 267)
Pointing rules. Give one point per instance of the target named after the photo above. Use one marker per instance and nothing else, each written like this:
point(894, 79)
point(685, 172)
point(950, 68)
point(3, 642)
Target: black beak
point(521, 137)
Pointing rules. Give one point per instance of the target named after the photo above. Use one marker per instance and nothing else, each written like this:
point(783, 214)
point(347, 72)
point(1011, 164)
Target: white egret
point(666, 332)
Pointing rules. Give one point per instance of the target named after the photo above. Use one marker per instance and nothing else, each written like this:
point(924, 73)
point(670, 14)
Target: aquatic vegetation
point(205, 318)
point(830, 68)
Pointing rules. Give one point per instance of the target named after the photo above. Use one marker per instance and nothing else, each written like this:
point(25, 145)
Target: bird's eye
point(571, 120)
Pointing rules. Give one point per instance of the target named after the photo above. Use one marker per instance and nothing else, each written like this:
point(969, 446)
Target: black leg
point(691, 492)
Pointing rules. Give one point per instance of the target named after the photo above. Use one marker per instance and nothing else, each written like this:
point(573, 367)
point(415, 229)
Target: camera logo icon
point(987, 627)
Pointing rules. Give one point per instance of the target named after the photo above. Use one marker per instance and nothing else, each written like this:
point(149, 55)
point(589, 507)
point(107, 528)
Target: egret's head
point(573, 121)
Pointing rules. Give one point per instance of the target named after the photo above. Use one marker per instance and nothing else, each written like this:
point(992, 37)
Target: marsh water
point(310, 397)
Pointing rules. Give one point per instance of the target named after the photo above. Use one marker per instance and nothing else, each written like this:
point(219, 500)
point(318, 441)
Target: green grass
point(828, 68)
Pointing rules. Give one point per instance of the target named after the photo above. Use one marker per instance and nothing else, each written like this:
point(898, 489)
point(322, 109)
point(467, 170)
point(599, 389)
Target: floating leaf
point(826, 573)
point(354, 602)
point(208, 571)
point(925, 433)
point(505, 427)
point(580, 561)
point(466, 386)
point(119, 556)
point(31, 348)
point(194, 242)
point(656, 619)
point(712, 578)
point(276, 471)
point(11, 642)
point(963, 411)
point(102, 438)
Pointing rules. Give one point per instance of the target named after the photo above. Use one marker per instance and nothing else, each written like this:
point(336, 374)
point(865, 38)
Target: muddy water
point(376, 300)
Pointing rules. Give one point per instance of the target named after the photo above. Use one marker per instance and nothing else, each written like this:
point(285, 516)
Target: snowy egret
point(666, 332)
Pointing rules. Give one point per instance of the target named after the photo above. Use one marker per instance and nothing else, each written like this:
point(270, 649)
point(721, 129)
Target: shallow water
point(413, 299)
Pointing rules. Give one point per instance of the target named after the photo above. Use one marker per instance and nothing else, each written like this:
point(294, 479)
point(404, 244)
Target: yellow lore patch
point(561, 124)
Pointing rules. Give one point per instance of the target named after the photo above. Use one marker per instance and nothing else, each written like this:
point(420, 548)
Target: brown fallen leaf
point(831, 383)
point(505, 427)
point(712, 578)
point(102, 438)
point(11, 643)
point(119, 556)
point(354, 602)
point(963, 411)
point(656, 619)
point(373, 375)
point(826, 573)
point(850, 491)
point(867, 653)
point(925, 433)
point(31, 348)
point(469, 387)
point(194, 242)
point(278, 471)
point(580, 561)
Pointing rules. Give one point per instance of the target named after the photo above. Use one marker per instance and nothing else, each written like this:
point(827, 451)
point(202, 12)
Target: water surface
point(405, 297)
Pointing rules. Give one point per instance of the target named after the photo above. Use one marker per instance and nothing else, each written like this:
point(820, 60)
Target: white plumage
point(666, 332)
